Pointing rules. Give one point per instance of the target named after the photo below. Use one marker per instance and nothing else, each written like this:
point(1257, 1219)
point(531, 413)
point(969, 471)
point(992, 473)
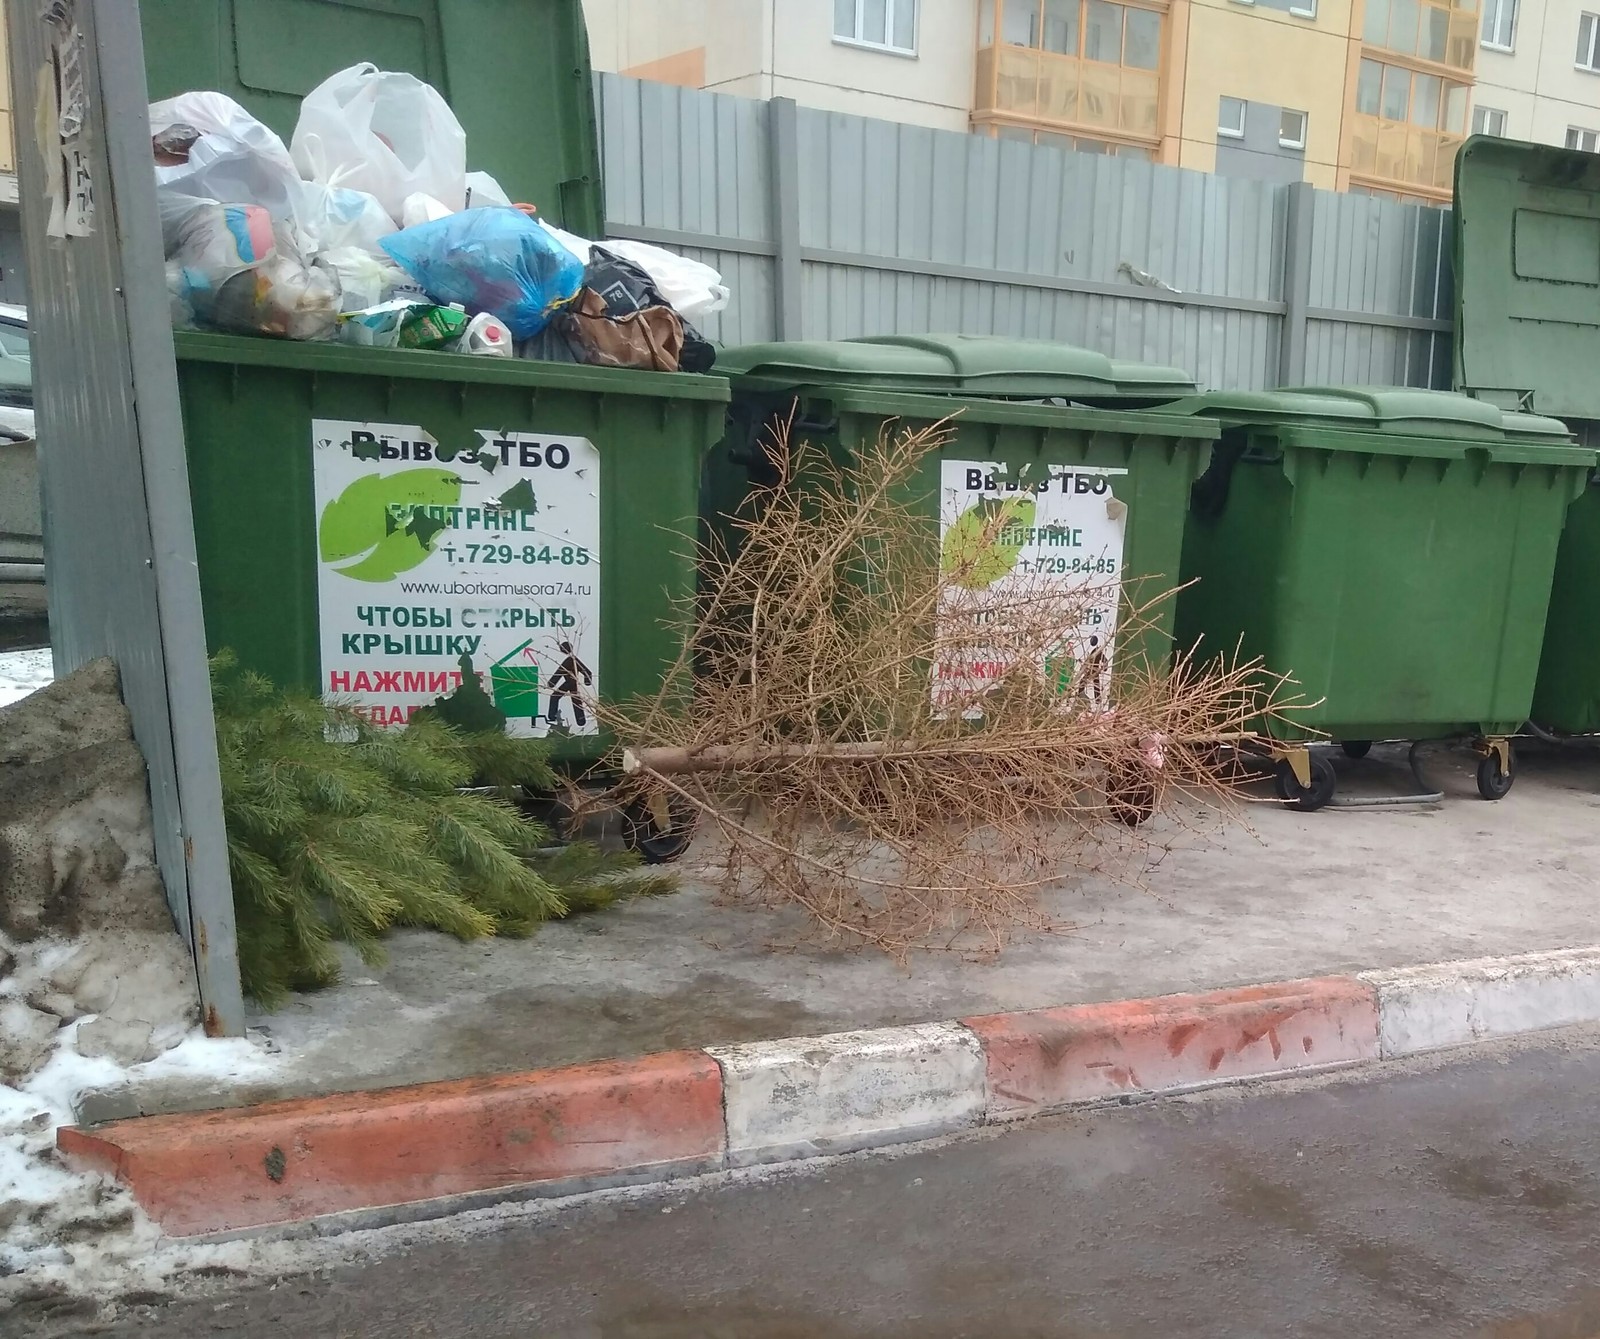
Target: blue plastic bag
point(490, 260)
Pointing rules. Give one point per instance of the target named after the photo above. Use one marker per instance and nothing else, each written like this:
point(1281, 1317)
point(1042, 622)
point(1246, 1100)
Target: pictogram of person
point(564, 683)
point(1092, 671)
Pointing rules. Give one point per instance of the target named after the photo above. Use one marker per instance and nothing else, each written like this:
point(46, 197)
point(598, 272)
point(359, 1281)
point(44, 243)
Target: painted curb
point(1454, 1003)
point(226, 1170)
point(359, 1159)
point(805, 1096)
point(1046, 1059)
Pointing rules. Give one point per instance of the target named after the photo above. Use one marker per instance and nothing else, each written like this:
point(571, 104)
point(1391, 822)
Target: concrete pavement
point(1453, 1196)
point(1289, 895)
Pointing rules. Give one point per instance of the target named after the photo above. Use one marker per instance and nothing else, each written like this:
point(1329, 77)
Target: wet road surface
point(1457, 1199)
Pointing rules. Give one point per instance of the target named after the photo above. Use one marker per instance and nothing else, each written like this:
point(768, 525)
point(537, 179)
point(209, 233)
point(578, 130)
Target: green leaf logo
point(360, 524)
point(982, 546)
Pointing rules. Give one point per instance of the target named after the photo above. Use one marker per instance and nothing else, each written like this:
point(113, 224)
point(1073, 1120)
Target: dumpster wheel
point(1497, 769)
point(1131, 795)
point(1321, 779)
point(658, 844)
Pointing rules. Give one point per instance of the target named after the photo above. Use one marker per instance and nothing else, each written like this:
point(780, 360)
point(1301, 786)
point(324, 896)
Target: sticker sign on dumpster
point(1039, 556)
point(438, 561)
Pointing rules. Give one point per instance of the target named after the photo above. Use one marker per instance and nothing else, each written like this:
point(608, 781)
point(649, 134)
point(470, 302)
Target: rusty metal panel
point(118, 530)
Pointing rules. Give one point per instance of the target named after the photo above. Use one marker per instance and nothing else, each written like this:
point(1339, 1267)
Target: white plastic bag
point(207, 244)
point(420, 208)
point(364, 280)
point(218, 114)
point(386, 133)
point(483, 191)
point(695, 290)
point(334, 218)
point(237, 160)
point(282, 296)
point(579, 246)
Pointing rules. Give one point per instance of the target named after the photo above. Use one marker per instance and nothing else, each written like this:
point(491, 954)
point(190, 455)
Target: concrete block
point(812, 1095)
point(1048, 1058)
point(127, 1042)
point(1452, 1003)
point(26, 1036)
point(287, 1161)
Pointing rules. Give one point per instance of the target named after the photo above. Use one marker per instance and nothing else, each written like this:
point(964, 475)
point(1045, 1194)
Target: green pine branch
point(338, 832)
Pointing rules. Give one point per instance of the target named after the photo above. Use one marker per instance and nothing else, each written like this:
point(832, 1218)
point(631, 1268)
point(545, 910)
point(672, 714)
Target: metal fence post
point(1300, 201)
point(118, 529)
point(783, 155)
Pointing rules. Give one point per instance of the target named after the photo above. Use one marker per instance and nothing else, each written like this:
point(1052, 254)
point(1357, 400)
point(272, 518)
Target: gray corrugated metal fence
point(827, 226)
point(118, 532)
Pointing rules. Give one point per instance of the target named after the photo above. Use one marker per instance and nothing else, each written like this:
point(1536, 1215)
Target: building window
point(1230, 117)
point(1396, 94)
point(1096, 30)
point(1587, 140)
point(1292, 130)
point(1489, 121)
point(887, 25)
point(1433, 30)
point(1408, 125)
point(1589, 43)
point(1070, 64)
point(1500, 24)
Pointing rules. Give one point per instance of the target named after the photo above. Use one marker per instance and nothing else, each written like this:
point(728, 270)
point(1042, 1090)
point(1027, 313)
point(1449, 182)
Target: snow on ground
point(21, 672)
point(70, 1233)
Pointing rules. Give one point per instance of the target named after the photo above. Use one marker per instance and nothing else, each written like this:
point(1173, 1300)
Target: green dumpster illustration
point(515, 687)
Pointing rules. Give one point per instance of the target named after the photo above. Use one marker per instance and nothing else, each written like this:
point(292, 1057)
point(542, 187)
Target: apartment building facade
point(1363, 95)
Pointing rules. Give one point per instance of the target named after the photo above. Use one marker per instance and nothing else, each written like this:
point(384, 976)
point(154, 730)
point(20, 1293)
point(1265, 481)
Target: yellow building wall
point(1264, 55)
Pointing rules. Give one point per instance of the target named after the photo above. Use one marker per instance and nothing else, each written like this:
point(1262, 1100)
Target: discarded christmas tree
point(340, 831)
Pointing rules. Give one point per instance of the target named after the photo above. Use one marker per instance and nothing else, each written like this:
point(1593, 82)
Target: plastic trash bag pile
point(368, 229)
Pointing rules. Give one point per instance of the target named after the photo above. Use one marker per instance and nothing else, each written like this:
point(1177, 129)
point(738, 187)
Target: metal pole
point(783, 155)
point(120, 46)
point(1297, 243)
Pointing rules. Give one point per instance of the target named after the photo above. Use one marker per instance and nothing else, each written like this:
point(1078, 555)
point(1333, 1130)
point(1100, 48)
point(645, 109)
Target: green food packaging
point(433, 327)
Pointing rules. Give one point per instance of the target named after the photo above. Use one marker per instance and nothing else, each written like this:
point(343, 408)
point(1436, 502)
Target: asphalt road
point(1458, 1199)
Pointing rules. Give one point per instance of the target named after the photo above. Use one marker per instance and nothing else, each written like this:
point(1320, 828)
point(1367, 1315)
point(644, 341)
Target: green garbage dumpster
point(368, 521)
point(376, 523)
point(1389, 549)
point(1108, 474)
point(1527, 329)
point(1567, 696)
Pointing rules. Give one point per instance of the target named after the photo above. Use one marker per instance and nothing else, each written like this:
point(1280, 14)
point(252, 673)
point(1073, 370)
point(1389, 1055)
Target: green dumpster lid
point(977, 365)
point(516, 73)
point(1527, 265)
point(1400, 410)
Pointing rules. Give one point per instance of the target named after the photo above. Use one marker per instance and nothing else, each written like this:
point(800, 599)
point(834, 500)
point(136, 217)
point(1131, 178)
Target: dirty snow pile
point(66, 1233)
point(21, 672)
point(96, 987)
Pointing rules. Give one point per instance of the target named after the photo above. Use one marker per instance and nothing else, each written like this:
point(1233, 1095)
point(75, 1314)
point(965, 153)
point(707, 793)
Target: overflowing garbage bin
point(1081, 436)
point(441, 444)
point(1391, 551)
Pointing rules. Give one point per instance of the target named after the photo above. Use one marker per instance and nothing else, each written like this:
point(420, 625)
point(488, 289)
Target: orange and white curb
point(417, 1151)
